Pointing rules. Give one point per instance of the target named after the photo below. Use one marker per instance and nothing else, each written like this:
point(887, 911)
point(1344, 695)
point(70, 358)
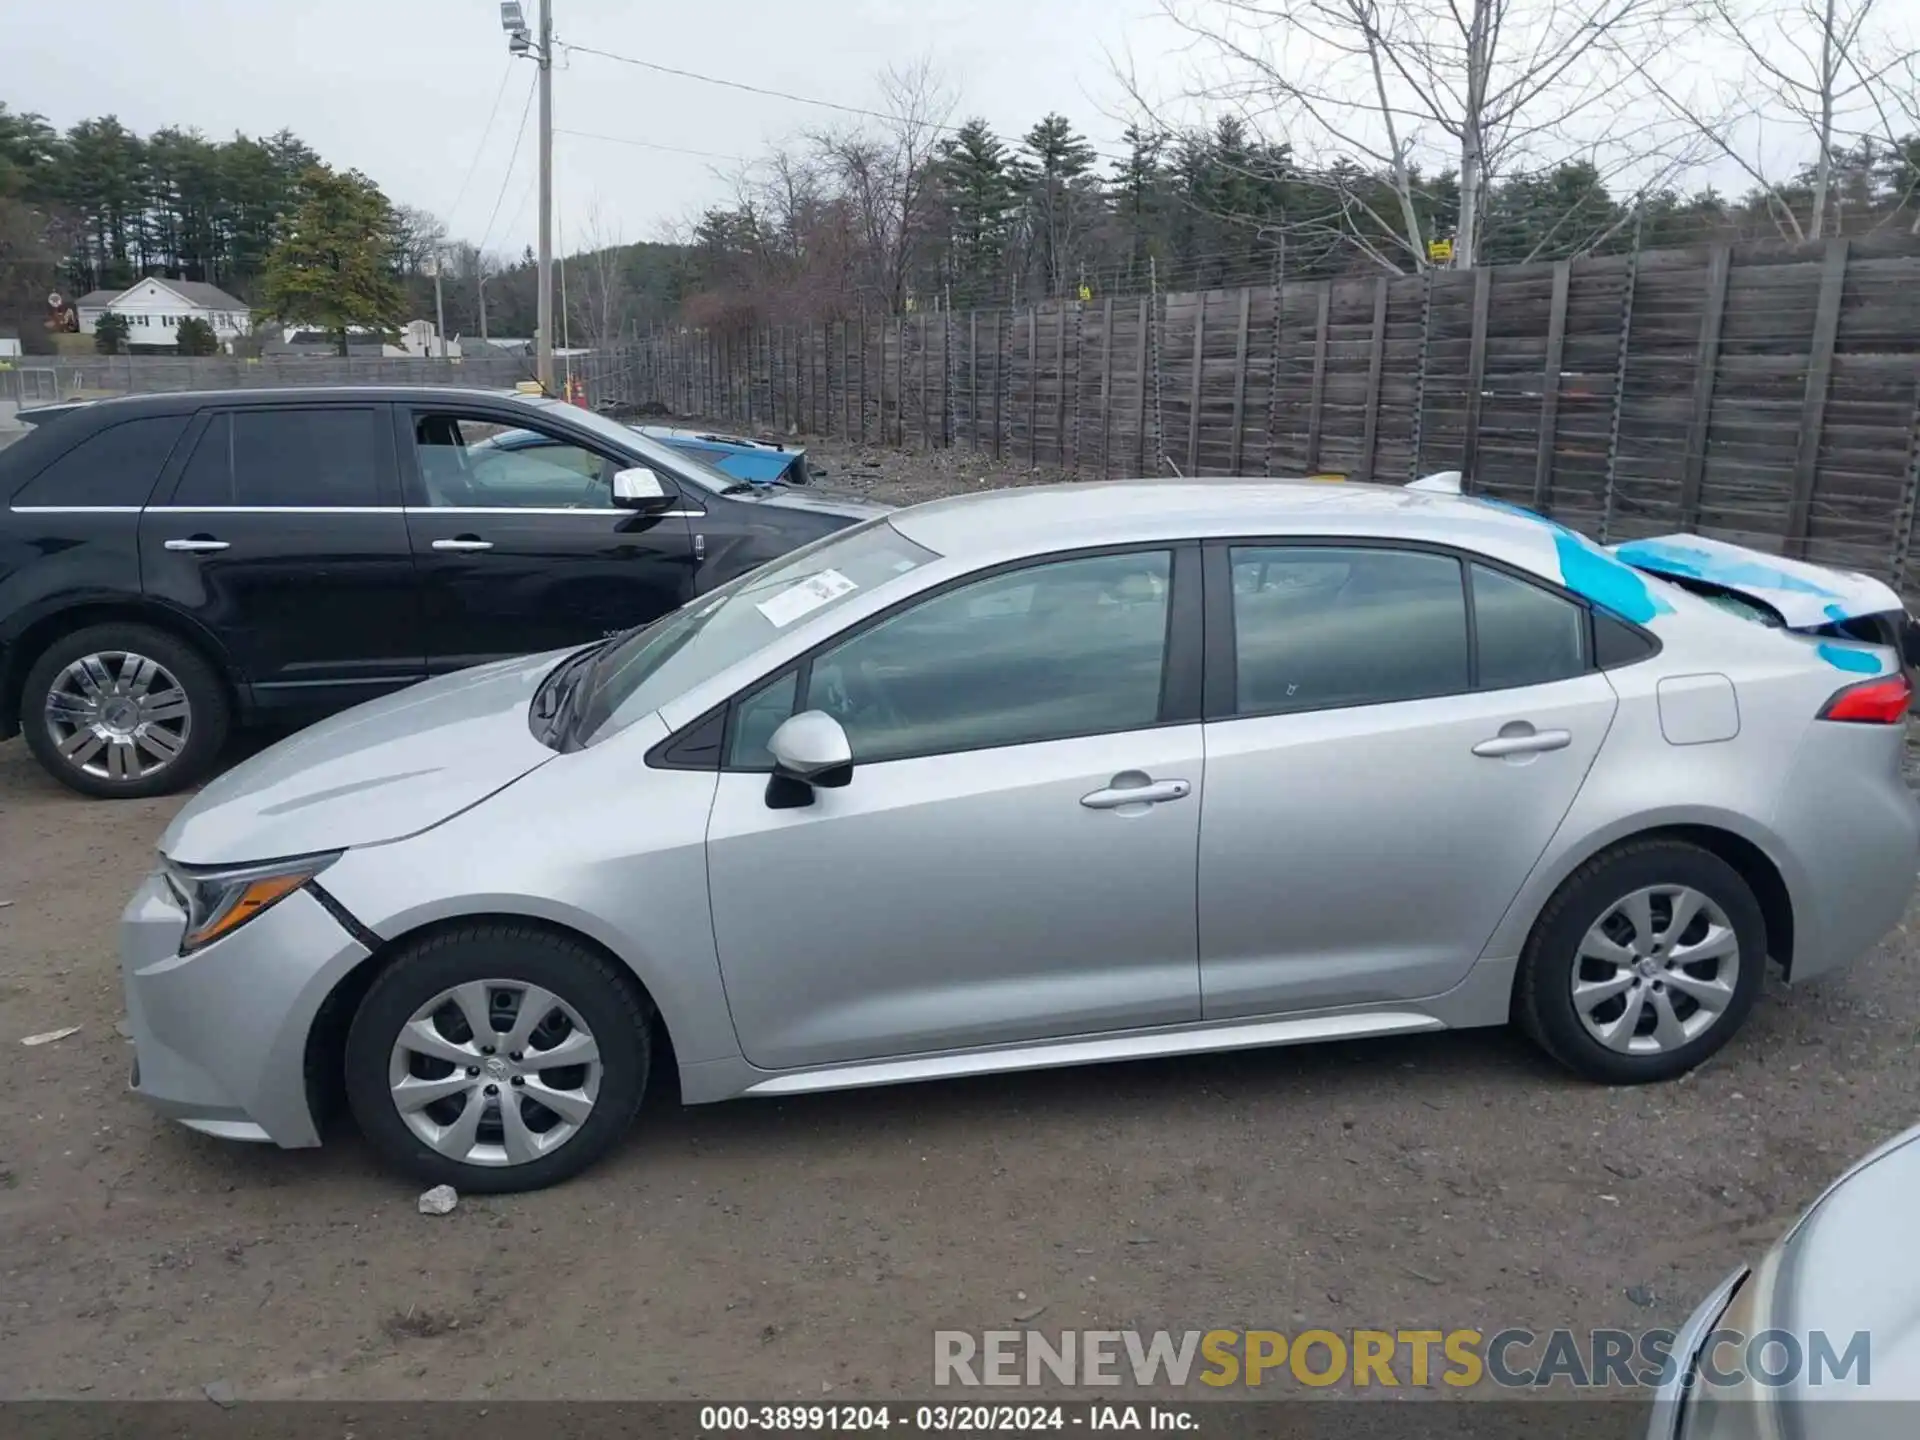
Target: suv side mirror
point(639, 489)
point(809, 749)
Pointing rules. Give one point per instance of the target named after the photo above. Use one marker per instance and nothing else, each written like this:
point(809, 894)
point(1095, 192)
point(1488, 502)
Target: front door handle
point(199, 544)
point(1140, 791)
point(463, 542)
point(1527, 742)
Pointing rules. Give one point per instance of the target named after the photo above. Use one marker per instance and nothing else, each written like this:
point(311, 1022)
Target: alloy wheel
point(118, 715)
point(1656, 971)
point(495, 1072)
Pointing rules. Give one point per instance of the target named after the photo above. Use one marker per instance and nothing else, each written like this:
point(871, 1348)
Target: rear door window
point(300, 457)
point(1317, 627)
point(1526, 635)
point(112, 467)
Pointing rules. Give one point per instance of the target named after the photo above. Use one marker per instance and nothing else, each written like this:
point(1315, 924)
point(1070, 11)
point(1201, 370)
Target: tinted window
point(111, 467)
point(207, 478)
point(296, 456)
point(1316, 627)
point(1527, 636)
point(1076, 647)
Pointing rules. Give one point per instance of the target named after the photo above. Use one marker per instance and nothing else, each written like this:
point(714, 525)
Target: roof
point(207, 297)
point(194, 292)
point(1059, 517)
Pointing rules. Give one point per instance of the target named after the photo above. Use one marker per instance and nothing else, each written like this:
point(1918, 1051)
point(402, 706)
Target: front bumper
point(220, 1036)
point(1664, 1423)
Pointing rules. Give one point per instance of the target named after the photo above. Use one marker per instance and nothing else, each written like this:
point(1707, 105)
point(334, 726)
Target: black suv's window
point(1316, 627)
point(1527, 635)
point(301, 456)
point(116, 466)
point(468, 461)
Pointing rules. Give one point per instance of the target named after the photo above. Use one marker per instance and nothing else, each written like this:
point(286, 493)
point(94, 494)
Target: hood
point(380, 771)
point(818, 501)
point(1806, 597)
point(1850, 1265)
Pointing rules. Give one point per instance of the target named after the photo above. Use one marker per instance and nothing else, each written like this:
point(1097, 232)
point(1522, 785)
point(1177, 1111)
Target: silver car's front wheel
point(495, 1072)
point(1656, 971)
point(497, 1056)
point(1645, 961)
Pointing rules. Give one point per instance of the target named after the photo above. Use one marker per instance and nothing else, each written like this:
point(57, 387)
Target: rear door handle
point(1148, 792)
point(198, 545)
point(463, 542)
point(1529, 743)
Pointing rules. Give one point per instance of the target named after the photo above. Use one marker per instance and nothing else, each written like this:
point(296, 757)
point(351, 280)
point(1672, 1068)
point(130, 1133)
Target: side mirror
point(639, 489)
point(809, 749)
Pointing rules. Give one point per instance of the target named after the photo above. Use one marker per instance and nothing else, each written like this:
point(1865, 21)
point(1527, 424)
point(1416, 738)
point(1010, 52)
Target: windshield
point(654, 665)
point(674, 462)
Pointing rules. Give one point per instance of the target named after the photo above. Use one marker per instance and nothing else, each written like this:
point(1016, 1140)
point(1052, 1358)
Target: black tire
point(594, 987)
point(209, 710)
point(1543, 999)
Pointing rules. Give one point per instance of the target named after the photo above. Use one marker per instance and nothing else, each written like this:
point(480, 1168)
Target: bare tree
point(884, 175)
point(1827, 73)
point(422, 238)
point(603, 297)
point(1478, 87)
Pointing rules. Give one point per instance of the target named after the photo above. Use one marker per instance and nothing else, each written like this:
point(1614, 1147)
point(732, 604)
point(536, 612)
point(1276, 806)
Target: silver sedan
point(1036, 778)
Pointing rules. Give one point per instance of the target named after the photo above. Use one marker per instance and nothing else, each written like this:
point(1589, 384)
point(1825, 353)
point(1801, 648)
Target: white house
point(154, 308)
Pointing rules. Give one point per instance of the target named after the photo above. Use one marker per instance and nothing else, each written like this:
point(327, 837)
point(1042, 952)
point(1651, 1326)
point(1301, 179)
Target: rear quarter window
point(113, 467)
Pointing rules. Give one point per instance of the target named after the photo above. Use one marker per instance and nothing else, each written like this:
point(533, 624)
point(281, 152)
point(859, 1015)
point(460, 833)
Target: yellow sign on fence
point(1439, 251)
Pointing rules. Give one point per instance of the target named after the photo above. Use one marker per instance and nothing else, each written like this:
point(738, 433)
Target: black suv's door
point(282, 532)
point(518, 542)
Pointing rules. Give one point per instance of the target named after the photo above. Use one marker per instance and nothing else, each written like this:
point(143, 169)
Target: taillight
point(1872, 702)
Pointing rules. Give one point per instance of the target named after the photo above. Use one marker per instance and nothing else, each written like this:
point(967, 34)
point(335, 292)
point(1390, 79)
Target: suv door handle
point(463, 542)
point(1527, 743)
point(197, 545)
point(1142, 792)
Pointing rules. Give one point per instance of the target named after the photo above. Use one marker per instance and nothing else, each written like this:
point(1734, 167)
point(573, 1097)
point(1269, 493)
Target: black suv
point(173, 564)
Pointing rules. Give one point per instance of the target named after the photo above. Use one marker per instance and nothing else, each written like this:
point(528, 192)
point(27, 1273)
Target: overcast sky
point(401, 89)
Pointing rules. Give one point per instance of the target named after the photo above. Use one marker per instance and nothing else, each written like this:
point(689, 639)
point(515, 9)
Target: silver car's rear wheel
point(119, 716)
point(1644, 962)
point(1656, 971)
point(495, 1072)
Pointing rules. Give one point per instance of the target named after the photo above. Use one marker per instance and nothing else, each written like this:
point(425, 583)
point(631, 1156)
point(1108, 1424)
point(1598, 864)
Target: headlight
point(219, 901)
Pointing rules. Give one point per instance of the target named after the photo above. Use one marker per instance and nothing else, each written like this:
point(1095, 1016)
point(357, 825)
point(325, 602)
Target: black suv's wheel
point(1644, 963)
point(124, 710)
point(497, 1057)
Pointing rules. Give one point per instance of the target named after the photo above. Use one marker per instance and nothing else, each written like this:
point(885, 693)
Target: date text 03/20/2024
point(805, 1419)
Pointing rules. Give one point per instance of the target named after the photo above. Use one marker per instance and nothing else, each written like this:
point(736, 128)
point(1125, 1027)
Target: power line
point(486, 130)
point(519, 139)
point(742, 85)
point(649, 145)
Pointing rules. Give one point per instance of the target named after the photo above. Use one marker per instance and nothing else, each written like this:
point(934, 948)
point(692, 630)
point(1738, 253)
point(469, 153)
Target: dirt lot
point(772, 1249)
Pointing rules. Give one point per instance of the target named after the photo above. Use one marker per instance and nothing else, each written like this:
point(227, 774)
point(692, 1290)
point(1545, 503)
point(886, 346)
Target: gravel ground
point(776, 1249)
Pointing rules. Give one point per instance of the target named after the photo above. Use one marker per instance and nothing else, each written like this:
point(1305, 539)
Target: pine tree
point(1053, 157)
point(334, 267)
point(976, 186)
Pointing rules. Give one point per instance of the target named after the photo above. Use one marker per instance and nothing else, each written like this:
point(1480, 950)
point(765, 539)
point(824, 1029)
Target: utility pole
point(480, 287)
point(439, 307)
point(543, 338)
point(519, 42)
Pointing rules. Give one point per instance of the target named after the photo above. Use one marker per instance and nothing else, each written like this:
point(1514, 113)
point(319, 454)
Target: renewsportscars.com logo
point(1393, 1359)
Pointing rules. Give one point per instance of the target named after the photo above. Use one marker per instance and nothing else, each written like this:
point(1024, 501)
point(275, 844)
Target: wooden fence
point(1766, 396)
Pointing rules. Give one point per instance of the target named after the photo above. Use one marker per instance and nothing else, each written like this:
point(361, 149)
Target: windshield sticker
point(798, 601)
